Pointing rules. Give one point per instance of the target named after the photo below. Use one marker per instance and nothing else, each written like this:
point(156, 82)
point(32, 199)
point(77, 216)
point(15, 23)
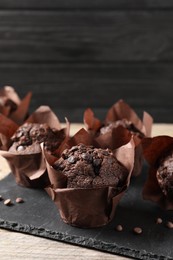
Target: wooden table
point(31, 247)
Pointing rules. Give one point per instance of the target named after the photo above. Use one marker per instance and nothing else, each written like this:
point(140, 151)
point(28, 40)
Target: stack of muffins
point(86, 174)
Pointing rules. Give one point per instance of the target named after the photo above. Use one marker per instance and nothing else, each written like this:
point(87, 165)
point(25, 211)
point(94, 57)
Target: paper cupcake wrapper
point(154, 149)
point(21, 112)
point(29, 169)
point(113, 139)
point(88, 208)
point(138, 161)
point(44, 114)
point(7, 129)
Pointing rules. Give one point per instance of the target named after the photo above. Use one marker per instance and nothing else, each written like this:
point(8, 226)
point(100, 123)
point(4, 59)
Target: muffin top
point(125, 123)
point(33, 133)
point(165, 175)
point(89, 167)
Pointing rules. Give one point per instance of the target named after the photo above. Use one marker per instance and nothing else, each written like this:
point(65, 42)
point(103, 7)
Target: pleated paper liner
point(93, 207)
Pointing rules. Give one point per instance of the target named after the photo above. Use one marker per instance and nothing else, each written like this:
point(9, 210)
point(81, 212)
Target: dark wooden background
point(74, 54)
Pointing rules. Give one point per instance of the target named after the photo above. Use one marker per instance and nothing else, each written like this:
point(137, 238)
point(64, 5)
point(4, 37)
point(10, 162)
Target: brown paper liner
point(94, 207)
point(113, 139)
point(154, 149)
point(45, 115)
point(22, 106)
point(7, 129)
point(122, 110)
point(29, 169)
point(85, 208)
point(119, 111)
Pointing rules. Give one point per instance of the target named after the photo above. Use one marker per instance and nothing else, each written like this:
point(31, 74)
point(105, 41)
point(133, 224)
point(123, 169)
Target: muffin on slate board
point(120, 115)
point(158, 152)
point(21, 147)
point(87, 182)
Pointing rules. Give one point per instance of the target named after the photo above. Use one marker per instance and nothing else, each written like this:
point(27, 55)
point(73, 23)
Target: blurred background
point(76, 54)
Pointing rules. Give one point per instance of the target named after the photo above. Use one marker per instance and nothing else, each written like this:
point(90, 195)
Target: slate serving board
point(39, 216)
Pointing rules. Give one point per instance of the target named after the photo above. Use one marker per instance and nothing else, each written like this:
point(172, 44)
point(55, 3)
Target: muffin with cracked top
point(89, 167)
point(34, 133)
point(87, 182)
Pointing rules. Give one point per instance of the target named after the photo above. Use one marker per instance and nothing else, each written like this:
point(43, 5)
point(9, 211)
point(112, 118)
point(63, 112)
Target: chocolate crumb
point(137, 230)
point(7, 202)
point(19, 200)
point(169, 224)
point(159, 221)
point(119, 228)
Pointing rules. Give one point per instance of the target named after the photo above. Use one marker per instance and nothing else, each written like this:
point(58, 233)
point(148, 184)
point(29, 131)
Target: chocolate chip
point(19, 200)
point(20, 148)
point(87, 157)
point(42, 130)
point(7, 202)
point(137, 230)
point(119, 228)
point(97, 165)
point(97, 162)
point(159, 220)
point(1, 198)
point(71, 159)
point(169, 224)
point(74, 148)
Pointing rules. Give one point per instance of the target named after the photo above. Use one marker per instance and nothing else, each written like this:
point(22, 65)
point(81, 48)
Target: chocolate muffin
point(158, 187)
point(165, 175)
point(34, 133)
point(85, 177)
point(89, 167)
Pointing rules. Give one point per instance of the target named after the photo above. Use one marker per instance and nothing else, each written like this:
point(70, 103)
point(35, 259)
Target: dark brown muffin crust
point(30, 133)
point(89, 167)
point(165, 175)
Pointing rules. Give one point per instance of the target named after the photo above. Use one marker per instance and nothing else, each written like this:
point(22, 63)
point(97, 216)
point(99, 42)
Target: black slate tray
point(39, 216)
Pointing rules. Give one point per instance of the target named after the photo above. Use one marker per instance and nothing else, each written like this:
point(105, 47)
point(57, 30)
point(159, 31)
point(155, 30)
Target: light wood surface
point(15, 245)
